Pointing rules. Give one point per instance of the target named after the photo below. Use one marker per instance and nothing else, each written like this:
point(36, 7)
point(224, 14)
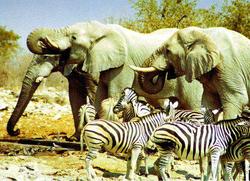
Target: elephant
point(81, 85)
point(105, 51)
point(217, 57)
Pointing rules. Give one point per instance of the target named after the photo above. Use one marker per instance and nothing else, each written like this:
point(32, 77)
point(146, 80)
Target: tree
point(237, 16)
point(156, 14)
point(8, 42)
point(8, 48)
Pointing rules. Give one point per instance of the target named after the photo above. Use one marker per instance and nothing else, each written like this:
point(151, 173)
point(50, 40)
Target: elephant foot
point(73, 138)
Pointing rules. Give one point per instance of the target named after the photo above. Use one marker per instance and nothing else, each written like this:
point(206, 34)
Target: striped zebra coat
point(131, 106)
point(191, 142)
point(237, 152)
point(128, 138)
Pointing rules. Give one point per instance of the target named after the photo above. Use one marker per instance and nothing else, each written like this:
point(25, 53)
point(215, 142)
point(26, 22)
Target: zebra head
point(126, 98)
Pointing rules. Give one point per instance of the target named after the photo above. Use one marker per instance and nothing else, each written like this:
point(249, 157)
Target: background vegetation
point(149, 16)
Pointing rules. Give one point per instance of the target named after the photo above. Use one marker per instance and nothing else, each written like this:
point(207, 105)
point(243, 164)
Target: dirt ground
point(68, 165)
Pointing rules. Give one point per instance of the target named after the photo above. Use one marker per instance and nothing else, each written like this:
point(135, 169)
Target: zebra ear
point(172, 107)
point(87, 100)
point(215, 111)
point(166, 103)
point(175, 104)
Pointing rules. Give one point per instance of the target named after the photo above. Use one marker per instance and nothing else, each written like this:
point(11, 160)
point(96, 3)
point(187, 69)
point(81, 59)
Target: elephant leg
point(232, 109)
point(233, 104)
point(101, 94)
point(80, 86)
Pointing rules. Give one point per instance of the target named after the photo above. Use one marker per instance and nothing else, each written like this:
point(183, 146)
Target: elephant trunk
point(48, 41)
point(28, 88)
point(148, 84)
point(148, 80)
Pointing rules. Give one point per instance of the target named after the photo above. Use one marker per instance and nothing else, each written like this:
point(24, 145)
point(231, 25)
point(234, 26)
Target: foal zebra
point(127, 138)
point(190, 141)
point(237, 152)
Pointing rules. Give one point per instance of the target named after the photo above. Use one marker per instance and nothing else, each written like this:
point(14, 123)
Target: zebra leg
point(138, 163)
point(202, 161)
point(165, 160)
point(142, 156)
point(226, 171)
point(205, 162)
point(247, 170)
point(146, 165)
point(88, 161)
point(236, 170)
point(131, 165)
point(215, 157)
point(156, 166)
point(229, 169)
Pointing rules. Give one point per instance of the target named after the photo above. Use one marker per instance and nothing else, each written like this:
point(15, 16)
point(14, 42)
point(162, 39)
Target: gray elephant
point(105, 52)
point(80, 85)
point(219, 58)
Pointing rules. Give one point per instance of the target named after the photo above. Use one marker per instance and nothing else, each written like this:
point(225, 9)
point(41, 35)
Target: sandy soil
point(68, 165)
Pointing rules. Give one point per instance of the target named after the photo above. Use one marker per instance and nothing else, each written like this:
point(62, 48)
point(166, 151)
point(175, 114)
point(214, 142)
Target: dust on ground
point(49, 115)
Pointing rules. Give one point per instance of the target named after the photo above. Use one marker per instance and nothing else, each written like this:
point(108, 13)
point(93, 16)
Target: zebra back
point(195, 141)
point(184, 115)
point(120, 137)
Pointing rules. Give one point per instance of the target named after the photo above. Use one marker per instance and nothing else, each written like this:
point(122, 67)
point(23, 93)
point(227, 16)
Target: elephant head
point(188, 52)
point(99, 47)
point(39, 68)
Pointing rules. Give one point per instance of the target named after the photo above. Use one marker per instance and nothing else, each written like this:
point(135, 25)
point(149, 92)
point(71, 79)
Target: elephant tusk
point(50, 43)
point(143, 69)
point(39, 79)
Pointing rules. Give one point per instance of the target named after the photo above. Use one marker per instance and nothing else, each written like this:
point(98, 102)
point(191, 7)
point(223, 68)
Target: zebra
point(86, 113)
point(237, 152)
point(126, 138)
point(190, 141)
point(139, 108)
point(132, 109)
point(206, 116)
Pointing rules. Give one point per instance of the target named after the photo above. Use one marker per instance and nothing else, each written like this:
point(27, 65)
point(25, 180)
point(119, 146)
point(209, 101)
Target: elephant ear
point(108, 51)
point(202, 54)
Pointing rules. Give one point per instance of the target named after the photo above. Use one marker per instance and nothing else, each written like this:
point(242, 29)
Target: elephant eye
point(73, 37)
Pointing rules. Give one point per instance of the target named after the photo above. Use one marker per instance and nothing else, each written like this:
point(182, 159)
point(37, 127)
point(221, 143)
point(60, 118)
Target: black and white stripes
point(128, 138)
point(238, 152)
point(139, 108)
point(190, 141)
